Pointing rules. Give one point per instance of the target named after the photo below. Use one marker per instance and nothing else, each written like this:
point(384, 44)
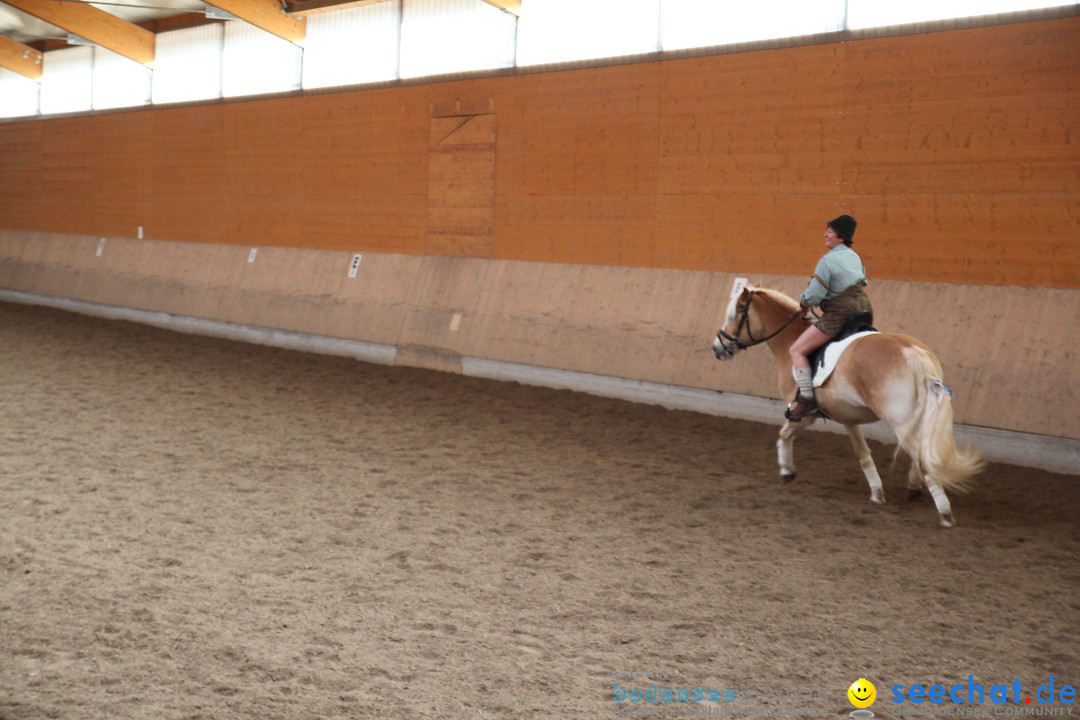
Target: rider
point(837, 286)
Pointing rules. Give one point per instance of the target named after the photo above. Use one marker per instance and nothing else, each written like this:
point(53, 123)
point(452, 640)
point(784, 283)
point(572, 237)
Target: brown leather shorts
point(835, 312)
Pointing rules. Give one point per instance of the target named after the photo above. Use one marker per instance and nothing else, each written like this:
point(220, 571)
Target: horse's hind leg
point(866, 462)
point(914, 482)
point(785, 447)
point(941, 502)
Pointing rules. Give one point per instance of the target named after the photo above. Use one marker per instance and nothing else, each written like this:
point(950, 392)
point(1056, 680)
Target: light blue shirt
point(836, 271)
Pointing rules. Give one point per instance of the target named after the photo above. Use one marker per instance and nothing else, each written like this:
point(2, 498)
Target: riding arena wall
point(583, 225)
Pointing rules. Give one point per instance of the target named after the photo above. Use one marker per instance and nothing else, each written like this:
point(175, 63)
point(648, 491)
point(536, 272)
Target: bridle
point(732, 343)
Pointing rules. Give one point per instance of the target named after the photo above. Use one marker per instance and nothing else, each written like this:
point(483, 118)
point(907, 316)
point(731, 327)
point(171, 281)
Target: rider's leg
point(811, 339)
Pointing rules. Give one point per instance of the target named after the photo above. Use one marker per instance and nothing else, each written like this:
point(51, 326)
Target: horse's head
point(730, 338)
point(751, 308)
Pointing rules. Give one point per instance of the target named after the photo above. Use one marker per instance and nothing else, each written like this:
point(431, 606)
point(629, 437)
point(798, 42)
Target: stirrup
point(802, 407)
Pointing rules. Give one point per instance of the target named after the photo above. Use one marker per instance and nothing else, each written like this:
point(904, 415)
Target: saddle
point(857, 323)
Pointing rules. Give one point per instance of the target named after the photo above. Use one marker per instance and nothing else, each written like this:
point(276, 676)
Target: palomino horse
point(884, 376)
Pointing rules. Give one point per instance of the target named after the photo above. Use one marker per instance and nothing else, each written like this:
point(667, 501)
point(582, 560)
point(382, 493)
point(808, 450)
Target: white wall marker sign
point(738, 286)
point(355, 265)
point(100, 247)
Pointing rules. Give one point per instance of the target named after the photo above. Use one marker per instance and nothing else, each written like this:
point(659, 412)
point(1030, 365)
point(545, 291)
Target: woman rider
point(838, 287)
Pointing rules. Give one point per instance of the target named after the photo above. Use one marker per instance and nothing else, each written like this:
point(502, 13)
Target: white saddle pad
point(832, 356)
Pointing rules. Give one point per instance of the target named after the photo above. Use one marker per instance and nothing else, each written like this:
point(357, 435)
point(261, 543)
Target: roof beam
point(268, 15)
point(20, 58)
point(511, 6)
point(97, 26)
point(177, 22)
point(312, 6)
point(307, 7)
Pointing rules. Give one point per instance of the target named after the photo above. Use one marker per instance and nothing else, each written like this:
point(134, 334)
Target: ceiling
point(25, 28)
point(29, 28)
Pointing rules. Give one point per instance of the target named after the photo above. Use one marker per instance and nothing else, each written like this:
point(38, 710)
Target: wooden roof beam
point(269, 15)
point(97, 26)
point(307, 7)
point(177, 22)
point(511, 6)
point(20, 58)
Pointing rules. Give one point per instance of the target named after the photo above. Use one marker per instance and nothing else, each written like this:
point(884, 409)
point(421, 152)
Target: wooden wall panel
point(743, 231)
point(260, 166)
point(363, 170)
point(989, 239)
point(92, 168)
point(956, 150)
point(187, 195)
point(461, 186)
point(21, 151)
point(964, 146)
point(750, 159)
point(755, 123)
point(121, 173)
point(965, 111)
point(577, 166)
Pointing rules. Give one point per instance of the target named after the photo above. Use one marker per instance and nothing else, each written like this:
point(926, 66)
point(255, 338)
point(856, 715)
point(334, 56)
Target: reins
point(744, 321)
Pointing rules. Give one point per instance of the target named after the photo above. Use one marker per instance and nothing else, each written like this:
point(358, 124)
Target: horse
point(880, 376)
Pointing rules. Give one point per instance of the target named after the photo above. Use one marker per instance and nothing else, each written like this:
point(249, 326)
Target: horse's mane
point(780, 298)
point(775, 296)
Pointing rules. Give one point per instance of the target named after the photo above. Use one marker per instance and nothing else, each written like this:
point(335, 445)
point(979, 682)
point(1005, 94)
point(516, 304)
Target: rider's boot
point(802, 407)
point(805, 404)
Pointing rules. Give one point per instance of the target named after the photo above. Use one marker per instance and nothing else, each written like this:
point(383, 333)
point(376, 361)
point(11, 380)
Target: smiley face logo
point(862, 693)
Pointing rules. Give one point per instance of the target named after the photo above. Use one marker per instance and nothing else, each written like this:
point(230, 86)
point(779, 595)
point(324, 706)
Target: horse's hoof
point(878, 498)
point(947, 521)
point(785, 478)
point(913, 495)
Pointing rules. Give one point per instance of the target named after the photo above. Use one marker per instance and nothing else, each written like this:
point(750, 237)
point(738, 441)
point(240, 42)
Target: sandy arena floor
point(195, 528)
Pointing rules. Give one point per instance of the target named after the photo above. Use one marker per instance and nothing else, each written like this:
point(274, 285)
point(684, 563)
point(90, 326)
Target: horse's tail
point(929, 439)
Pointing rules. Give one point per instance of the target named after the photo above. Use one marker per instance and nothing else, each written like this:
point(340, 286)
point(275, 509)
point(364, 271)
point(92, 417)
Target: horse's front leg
point(785, 447)
point(866, 462)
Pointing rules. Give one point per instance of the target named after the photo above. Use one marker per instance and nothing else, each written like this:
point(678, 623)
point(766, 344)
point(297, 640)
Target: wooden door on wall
point(461, 185)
